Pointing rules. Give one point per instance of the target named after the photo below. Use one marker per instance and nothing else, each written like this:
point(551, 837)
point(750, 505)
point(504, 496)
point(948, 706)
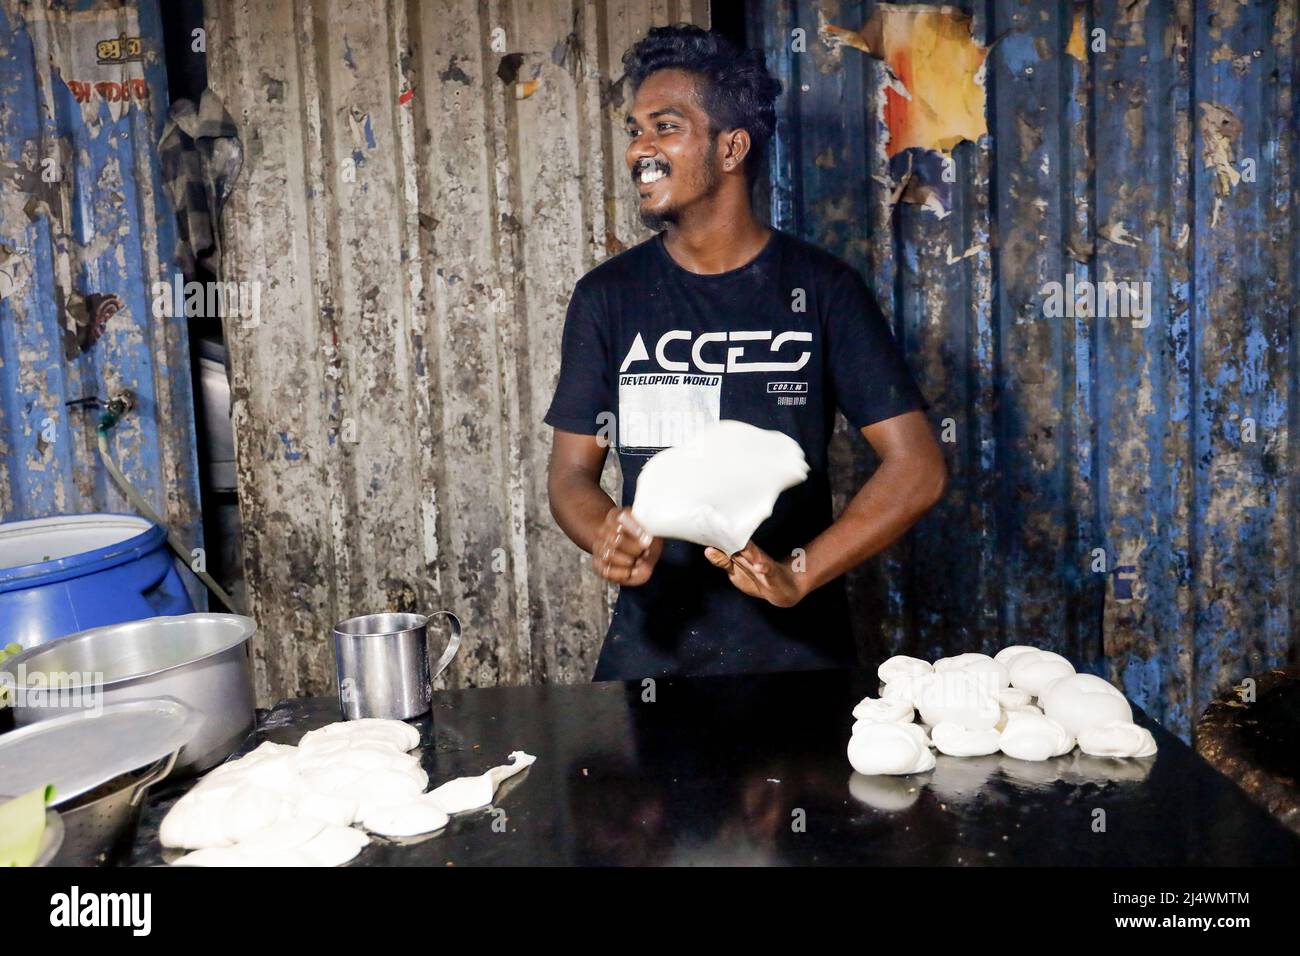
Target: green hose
point(107, 421)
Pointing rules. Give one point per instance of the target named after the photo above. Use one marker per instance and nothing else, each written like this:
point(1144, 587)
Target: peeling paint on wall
point(1073, 435)
point(390, 445)
point(85, 231)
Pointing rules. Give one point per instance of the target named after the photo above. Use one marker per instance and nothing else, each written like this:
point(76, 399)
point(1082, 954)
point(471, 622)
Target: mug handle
point(453, 645)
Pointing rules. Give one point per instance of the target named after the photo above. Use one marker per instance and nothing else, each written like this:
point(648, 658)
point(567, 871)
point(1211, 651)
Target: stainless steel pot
point(200, 660)
point(51, 839)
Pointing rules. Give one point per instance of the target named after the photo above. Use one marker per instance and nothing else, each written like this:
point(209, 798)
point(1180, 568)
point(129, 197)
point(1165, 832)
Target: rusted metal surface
point(83, 219)
point(1248, 733)
point(423, 185)
point(1166, 158)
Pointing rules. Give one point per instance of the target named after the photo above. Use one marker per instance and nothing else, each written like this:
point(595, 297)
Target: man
point(718, 316)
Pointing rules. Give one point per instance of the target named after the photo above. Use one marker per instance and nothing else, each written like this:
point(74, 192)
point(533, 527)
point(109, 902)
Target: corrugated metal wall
point(82, 212)
point(423, 184)
point(1080, 433)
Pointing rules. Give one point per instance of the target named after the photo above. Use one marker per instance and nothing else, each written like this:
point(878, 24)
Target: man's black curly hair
point(736, 90)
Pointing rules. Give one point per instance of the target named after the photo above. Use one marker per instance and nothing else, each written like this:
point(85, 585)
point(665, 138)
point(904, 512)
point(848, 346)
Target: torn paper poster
point(100, 55)
point(1220, 130)
point(1118, 233)
point(938, 97)
point(1076, 47)
point(924, 178)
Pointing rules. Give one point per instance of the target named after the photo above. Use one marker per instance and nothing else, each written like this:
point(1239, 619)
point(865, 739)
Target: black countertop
point(752, 770)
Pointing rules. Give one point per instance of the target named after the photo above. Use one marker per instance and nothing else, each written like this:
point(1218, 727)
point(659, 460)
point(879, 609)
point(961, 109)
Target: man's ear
point(736, 146)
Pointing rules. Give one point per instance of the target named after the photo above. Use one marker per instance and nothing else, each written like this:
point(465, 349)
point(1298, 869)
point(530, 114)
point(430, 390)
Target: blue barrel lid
point(110, 539)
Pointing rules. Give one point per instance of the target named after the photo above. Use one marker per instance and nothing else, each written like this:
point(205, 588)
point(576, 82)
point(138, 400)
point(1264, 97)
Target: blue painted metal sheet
point(1080, 437)
point(83, 212)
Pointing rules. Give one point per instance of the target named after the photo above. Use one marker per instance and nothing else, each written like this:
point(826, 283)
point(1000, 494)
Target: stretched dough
point(380, 789)
point(889, 749)
point(287, 835)
point(397, 734)
point(471, 793)
point(294, 806)
point(717, 487)
point(366, 758)
point(328, 808)
point(293, 843)
point(1117, 739)
point(334, 845)
point(213, 856)
point(406, 819)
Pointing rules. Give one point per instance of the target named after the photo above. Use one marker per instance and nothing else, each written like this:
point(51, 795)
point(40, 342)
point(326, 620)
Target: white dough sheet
point(717, 487)
point(300, 806)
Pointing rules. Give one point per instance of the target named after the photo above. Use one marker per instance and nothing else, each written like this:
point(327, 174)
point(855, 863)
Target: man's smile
point(647, 172)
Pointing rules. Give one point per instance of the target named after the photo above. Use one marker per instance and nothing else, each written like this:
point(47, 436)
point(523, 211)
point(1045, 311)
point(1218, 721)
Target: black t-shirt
point(780, 343)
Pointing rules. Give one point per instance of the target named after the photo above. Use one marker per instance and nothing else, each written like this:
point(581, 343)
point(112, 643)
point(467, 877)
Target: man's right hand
point(623, 552)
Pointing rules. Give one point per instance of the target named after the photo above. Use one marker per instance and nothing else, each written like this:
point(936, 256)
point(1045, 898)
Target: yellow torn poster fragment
point(939, 66)
point(1076, 47)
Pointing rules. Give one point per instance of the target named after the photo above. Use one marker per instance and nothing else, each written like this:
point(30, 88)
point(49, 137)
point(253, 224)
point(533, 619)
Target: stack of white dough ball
point(1025, 702)
point(296, 806)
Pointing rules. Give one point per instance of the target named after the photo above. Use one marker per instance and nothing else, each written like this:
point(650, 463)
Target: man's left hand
point(758, 575)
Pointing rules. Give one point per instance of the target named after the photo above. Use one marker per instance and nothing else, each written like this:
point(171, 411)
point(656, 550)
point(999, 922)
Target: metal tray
point(82, 750)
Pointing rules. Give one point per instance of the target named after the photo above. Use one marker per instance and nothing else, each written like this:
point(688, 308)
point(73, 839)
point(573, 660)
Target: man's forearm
point(880, 513)
point(579, 506)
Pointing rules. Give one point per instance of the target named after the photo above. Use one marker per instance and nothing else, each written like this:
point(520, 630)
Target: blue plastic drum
point(66, 574)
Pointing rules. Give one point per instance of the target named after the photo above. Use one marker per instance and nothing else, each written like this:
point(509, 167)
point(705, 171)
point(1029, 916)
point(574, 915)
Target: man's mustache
point(641, 165)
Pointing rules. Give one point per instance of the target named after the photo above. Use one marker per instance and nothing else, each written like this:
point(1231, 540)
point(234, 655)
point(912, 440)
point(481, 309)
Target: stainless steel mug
point(382, 662)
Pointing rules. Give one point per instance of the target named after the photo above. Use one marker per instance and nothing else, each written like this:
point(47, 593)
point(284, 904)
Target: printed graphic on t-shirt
point(661, 408)
point(789, 393)
point(658, 410)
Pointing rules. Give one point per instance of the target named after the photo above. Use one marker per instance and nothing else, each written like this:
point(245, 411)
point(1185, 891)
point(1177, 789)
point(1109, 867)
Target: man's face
point(671, 155)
